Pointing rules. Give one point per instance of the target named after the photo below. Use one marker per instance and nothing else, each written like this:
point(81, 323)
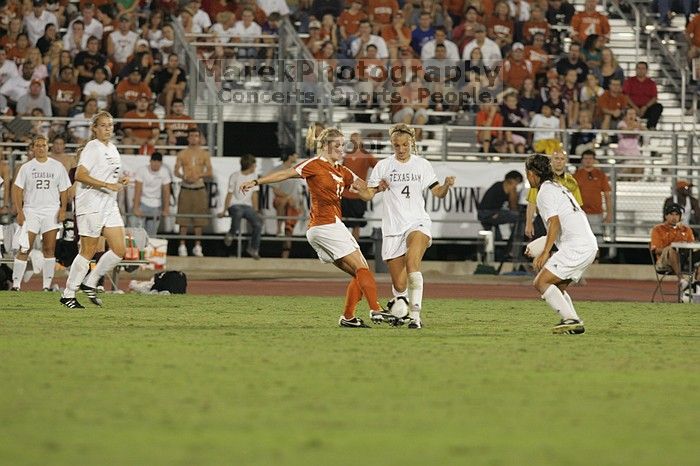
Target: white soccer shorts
point(332, 241)
point(41, 221)
point(570, 265)
point(395, 246)
point(92, 224)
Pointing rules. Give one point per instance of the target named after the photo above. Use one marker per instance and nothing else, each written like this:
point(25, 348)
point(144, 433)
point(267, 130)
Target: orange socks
point(353, 295)
point(365, 279)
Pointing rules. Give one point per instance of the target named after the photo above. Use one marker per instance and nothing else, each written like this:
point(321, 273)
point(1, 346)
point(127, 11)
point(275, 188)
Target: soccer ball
point(398, 307)
point(536, 247)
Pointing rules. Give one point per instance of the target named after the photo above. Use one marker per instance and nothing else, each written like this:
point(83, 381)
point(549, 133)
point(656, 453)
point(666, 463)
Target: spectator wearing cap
point(358, 47)
point(121, 43)
point(683, 196)
point(100, 89)
point(428, 50)
point(642, 95)
point(314, 42)
point(128, 91)
point(170, 82)
point(490, 51)
point(87, 61)
point(35, 98)
point(8, 68)
point(79, 125)
point(151, 195)
point(672, 230)
point(35, 21)
point(64, 93)
point(17, 86)
point(573, 61)
point(141, 132)
point(516, 68)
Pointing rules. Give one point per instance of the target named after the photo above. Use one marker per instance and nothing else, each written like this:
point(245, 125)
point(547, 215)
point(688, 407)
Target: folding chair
point(661, 274)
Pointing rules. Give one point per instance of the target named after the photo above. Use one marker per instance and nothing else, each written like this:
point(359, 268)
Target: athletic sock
point(104, 265)
point(369, 288)
point(398, 293)
point(353, 295)
point(415, 294)
point(18, 269)
point(48, 270)
point(570, 303)
point(78, 269)
point(556, 301)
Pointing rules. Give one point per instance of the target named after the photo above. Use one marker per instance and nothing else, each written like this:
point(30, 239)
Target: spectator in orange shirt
point(141, 132)
point(611, 105)
point(516, 69)
point(380, 13)
point(692, 33)
point(537, 55)
point(359, 161)
point(594, 186)
point(349, 21)
point(500, 26)
point(455, 8)
point(589, 21)
point(666, 233)
point(536, 25)
point(489, 116)
point(464, 32)
point(396, 35)
point(128, 91)
point(64, 93)
point(178, 132)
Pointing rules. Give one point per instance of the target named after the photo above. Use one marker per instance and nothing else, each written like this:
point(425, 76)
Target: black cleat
point(14, 288)
point(91, 293)
point(71, 303)
point(381, 317)
point(415, 324)
point(355, 322)
point(569, 327)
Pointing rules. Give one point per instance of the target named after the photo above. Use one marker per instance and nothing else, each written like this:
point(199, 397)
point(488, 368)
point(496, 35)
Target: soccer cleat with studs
point(381, 317)
point(91, 293)
point(72, 303)
point(569, 327)
point(415, 324)
point(14, 288)
point(355, 322)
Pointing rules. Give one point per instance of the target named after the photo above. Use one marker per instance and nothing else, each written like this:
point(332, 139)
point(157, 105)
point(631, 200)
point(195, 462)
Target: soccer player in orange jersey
point(326, 178)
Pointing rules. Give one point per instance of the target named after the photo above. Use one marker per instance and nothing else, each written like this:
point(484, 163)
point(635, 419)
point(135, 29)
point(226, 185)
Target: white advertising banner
point(453, 217)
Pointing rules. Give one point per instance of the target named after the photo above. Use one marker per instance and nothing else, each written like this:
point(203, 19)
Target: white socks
point(415, 294)
point(48, 269)
point(18, 269)
point(104, 265)
point(559, 302)
point(396, 293)
point(78, 270)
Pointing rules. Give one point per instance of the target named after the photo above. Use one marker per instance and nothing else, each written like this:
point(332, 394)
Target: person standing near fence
point(152, 195)
point(288, 201)
point(327, 234)
point(405, 223)
point(594, 186)
point(40, 195)
point(99, 174)
point(360, 162)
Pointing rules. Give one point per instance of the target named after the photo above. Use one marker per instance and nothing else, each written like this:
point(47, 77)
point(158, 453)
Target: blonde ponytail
point(403, 128)
point(311, 138)
point(95, 119)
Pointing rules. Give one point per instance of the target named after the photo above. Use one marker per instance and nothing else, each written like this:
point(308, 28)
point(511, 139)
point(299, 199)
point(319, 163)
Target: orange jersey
point(584, 24)
point(538, 57)
point(530, 28)
point(140, 129)
point(455, 7)
point(351, 22)
point(359, 162)
point(515, 72)
point(502, 28)
point(129, 91)
point(610, 102)
point(693, 30)
point(663, 234)
point(382, 10)
point(180, 129)
point(326, 181)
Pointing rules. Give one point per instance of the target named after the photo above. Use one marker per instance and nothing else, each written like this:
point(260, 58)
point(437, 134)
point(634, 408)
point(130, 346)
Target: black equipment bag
point(173, 281)
point(5, 277)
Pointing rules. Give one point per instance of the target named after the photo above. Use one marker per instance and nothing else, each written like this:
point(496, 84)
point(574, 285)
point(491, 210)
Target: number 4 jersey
point(42, 183)
point(404, 205)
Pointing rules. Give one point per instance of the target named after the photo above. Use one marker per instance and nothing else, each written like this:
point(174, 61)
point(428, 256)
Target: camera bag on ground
point(173, 281)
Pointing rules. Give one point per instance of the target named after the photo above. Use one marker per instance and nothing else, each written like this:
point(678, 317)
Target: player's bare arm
point(553, 230)
point(64, 205)
point(18, 202)
point(275, 177)
point(442, 190)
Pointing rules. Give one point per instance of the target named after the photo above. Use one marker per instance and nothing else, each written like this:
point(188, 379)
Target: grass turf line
point(273, 380)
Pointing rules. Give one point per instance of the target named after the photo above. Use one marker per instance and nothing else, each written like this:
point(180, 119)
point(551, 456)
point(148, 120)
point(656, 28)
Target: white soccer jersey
point(576, 234)
point(42, 183)
point(103, 163)
point(404, 205)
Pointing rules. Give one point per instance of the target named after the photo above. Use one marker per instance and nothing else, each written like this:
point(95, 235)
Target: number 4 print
point(406, 192)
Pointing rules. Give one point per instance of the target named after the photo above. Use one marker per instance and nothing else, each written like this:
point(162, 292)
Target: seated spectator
point(349, 23)
point(165, 44)
point(314, 41)
point(683, 196)
point(50, 35)
point(87, 61)
point(589, 21)
point(223, 29)
point(93, 27)
point(259, 15)
point(514, 117)
point(271, 28)
point(570, 94)
point(58, 152)
point(500, 27)
point(79, 126)
point(464, 32)
point(358, 47)
point(558, 105)
point(583, 140)
point(573, 61)
point(39, 127)
point(100, 89)
point(519, 10)
point(17, 86)
point(371, 72)
point(546, 141)
point(434, 9)
point(489, 49)
point(76, 41)
point(35, 98)
point(35, 21)
point(628, 143)
point(489, 116)
point(642, 94)
point(692, 34)
point(41, 71)
point(516, 68)
point(396, 35)
point(274, 6)
point(170, 82)
point(611, 105)
point(128, 91)
point(499, 205)
point(455, 9)
point(248, 31)
point(412, 109)
point(536, 25)
point(428, 50)
point(65, 94)
point(178, 132)
point(121, 43)
point(187, 23)
point(141, 133)
point(560, 12)
point(538, 56)
point(8, 68)
point(423, 33)
point(152, 195)
point(19, 52)
point(199, 16)
point(590, 92)
point(609, 69)
point(14, 29)
point(592, 51)
point(663, 235)
point(529, 99)
point(329, 30)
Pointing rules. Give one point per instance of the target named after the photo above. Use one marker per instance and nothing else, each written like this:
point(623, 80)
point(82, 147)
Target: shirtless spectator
point(193, 165)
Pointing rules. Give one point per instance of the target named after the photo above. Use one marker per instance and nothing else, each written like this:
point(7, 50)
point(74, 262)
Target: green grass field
point(193, 380)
